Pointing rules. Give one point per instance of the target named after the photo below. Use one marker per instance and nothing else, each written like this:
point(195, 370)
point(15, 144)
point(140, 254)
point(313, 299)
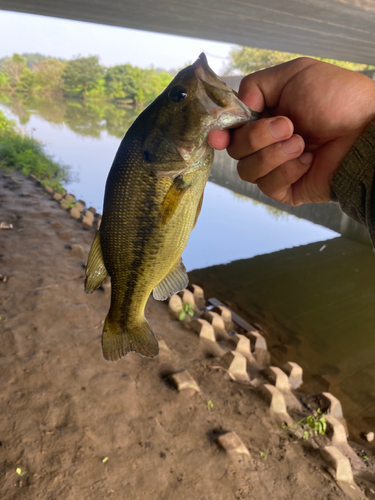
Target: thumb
point(264, 88)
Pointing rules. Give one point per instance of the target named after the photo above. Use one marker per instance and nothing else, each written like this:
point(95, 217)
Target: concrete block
point(198, 295)
point(79, 206)
point(175, 306)
point(236, 365)
point(48, 189)
point(215, 319)
point(75, 213)
point(78, 251)
point(93, 210)
point(226, 314)
point(87, 223)
point(89, 214)
point(232, 444)
point(369, 437)
point(164, 349)
point(70, 198)
point(184, 381)
point(333, 405)
point(242, 344)
point(65, 205)
point(277, 378)
point(203, 329)
point(276, 401)
point(57, 196)
point(294, 372)
point(187, 297)
point(339, 463)
point(335, 430)
point(258, 342)
point(207, 338)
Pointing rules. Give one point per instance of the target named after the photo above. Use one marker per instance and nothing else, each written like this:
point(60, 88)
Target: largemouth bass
point(153, 198)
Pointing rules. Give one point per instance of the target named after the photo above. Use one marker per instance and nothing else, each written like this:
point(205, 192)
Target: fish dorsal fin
point(172, 199)
point(96, 272)
point(175, 281)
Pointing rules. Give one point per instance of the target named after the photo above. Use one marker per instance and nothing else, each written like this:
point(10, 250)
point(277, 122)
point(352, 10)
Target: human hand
point(312, 114)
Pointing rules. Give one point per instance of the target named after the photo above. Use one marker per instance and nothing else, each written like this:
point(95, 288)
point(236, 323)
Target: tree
point(13, 69)
point(26, 81)
point(48, 76)
point(81, 74)
point(247, 60)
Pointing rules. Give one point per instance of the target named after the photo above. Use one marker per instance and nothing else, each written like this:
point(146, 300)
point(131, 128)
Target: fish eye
point(178, 94)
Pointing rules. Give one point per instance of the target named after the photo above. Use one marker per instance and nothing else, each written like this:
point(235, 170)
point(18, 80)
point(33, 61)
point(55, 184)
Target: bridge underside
point(338, 29)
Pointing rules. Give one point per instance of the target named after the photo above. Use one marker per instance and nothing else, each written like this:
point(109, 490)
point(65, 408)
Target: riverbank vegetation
point(245, 60)
point(19, 151)
point(81, 77)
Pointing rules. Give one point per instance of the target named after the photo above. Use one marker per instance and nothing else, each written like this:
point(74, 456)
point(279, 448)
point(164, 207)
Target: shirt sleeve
point(354, 182)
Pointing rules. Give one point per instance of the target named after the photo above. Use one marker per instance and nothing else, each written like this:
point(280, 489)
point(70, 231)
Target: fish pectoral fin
point(117, 340)
point(96, 272)
point(172, 199)
point(175, 281)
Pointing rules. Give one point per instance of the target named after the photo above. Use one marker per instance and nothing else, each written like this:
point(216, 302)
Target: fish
point(153, 198)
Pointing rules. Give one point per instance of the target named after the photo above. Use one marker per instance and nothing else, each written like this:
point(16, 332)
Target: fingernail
point(306, 158)
point(280, 128)
point(292, 145)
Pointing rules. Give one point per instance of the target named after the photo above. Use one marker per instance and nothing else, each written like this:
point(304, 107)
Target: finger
point(265, 87)
point(280, 183)
point(260, 164)
point(218, 139)
point(258, 135)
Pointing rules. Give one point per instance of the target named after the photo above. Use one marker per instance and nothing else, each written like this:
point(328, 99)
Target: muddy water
point(312, 292)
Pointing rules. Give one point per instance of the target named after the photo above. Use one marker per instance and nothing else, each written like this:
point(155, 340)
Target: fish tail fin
point(118, 340)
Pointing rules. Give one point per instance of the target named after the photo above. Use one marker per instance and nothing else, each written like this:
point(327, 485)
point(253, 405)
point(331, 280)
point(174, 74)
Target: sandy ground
point(78, 427)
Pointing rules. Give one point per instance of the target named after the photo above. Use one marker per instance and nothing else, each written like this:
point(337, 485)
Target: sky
point(63, 38)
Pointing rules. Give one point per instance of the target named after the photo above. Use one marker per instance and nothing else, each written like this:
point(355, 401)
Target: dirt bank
point(78, 427)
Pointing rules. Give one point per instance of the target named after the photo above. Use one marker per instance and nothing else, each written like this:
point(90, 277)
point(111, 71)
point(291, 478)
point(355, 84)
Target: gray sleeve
point(354, 182)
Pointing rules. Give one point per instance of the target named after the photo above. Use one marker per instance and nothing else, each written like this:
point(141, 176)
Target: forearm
point(354, 182)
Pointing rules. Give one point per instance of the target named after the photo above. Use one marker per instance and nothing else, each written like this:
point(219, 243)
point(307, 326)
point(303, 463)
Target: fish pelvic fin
point(96, 272)
point(175, 281)
point(118, 340)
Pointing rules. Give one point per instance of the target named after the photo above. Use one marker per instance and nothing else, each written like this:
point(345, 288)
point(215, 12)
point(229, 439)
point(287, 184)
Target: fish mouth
point(219, 100)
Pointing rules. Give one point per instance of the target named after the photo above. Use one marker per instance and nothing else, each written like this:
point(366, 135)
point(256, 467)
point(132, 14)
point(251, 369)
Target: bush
point(19, 151)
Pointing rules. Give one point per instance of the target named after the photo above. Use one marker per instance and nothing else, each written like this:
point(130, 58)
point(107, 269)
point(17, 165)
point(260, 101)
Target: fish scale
point(152, 201)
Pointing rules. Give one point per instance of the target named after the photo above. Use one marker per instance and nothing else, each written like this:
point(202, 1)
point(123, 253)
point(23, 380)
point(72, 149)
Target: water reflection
point(316, 303)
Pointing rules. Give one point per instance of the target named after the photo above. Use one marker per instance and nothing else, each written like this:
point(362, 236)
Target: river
point(310, 289)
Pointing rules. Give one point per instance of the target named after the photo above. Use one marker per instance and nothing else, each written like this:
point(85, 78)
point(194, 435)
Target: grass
point(19, 151)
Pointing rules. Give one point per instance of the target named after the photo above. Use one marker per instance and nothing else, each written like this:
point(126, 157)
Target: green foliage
point(4, 81)
point(81, 75)
point(135, 85)
point(26, 81)
point(265, 454)
point(187, 310)
point(313, 424)
point(14, 68)
point(48, 76)
point(21, 152)
point(248, 59)
point(210, 405)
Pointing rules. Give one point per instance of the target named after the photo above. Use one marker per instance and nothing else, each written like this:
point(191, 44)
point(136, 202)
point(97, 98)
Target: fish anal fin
point(172, 199)
point(96, 272)
point(117, 341)
point(175, 281)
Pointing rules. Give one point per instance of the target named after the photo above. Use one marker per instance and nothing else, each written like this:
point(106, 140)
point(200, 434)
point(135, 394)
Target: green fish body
point(152, 200)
